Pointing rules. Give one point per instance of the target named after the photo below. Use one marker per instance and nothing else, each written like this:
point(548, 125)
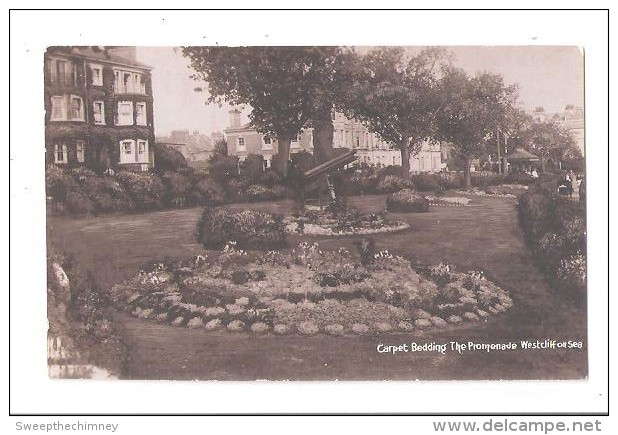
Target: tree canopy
point(396, 98)
point(285, 86)
point(472, 109)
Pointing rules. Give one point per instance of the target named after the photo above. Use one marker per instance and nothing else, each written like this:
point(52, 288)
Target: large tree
point(285, 87)
point(473, 108)
point(396, 97)
point(549, 140)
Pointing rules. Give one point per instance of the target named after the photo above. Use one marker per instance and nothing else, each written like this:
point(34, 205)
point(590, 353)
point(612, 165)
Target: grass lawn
point(486, 236)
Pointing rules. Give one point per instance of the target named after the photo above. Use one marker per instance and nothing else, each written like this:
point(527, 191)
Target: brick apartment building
point(98, 109)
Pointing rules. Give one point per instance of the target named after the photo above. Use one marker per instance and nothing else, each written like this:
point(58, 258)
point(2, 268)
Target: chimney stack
point(234, 118)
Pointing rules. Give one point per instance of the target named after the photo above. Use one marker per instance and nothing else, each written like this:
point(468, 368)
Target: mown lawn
point(485, 236)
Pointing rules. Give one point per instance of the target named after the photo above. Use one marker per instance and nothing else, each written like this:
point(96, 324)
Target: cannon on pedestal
point(309, 180)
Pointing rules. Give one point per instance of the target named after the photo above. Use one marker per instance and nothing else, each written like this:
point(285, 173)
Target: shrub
point(253, 168)
point(261, 193)
point(78, 203)
point(536, 213)
point(484, 180)
point(407, 201)
point(223, 168)
point(393, 183)
point(426, 182)
point(207, 191)
point(450, 180)
point(555, 230)
point(58, 183)
point(518, 178)
point(178, 188)
point(168, 159)
point(360, 182)
point(391, 170)
point(572, 272)
point(146, 190)
point(270, 178)
point(249, 229)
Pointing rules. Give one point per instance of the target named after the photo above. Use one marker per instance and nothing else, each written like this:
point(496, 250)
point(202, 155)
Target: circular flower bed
point(338, 220)
point(307, 291)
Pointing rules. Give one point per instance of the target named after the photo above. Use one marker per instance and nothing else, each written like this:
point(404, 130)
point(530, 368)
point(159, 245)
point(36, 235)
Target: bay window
point(127, 82)
point(142, 151)
point(127, 151)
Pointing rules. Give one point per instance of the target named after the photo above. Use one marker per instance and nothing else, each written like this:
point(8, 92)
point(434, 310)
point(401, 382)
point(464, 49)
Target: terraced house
point(98, 109)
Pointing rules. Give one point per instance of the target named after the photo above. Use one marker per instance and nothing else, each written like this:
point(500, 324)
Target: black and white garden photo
point(316, 213)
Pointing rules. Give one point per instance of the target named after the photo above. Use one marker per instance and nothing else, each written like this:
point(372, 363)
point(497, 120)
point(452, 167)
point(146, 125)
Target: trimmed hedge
point(407, 201)
point(555, 230)
point(249, 229)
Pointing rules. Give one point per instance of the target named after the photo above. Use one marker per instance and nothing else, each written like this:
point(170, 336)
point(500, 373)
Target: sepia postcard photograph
point(210, 211)
point(315, 212)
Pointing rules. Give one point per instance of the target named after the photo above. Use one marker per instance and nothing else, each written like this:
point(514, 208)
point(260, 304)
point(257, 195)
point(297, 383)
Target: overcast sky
point(551, 77)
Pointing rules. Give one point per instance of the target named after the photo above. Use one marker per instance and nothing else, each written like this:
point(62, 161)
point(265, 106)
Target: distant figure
point(565, 186)
point(582, 189)
point(535, 174)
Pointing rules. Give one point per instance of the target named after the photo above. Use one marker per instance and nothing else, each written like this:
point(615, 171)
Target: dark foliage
point(249, 229)
point(406, 201)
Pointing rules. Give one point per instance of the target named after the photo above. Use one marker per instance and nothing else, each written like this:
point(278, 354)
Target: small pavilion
point(521, 160)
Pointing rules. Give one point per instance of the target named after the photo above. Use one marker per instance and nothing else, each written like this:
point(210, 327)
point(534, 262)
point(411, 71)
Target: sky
point(551, 77)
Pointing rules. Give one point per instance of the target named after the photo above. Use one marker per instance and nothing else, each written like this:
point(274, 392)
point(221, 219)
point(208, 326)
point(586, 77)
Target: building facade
point(193, 145)
point(243, 140)
point(98, 109)
point(372, 150)
point(572, 119)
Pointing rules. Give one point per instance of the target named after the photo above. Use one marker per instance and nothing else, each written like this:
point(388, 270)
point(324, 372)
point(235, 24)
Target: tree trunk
point(405, 160)
point(543, 164)
point(467, 177)
point(323, 139)
point(283, 156)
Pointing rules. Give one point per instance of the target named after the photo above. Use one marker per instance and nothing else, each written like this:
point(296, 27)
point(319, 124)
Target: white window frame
point(122, 120)
point(143, 119)
point(142, 152)
point(138, 84)
point(80, 151)
point(134, 84)
point(99, 81)
point(61, 148)
point(82, 114)
point(295, 142)
point(59, 107)
point(241, 144)
point(124, 156)
point(267, 145)
point(100, 121)
point(70, 76)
